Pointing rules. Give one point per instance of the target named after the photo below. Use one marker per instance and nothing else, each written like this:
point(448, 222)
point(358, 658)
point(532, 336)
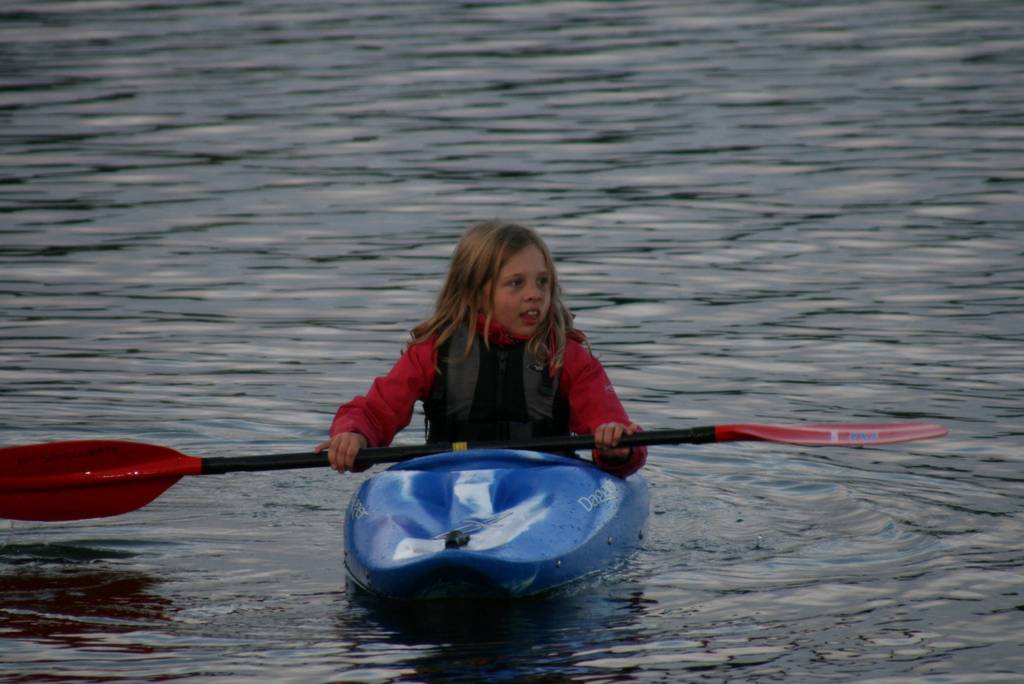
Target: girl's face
point(521, 294)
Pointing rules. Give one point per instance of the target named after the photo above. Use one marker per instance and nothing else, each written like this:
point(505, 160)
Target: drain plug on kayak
point(455, 539)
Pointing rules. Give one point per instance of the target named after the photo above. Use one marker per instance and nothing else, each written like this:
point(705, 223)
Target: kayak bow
point(490, 523)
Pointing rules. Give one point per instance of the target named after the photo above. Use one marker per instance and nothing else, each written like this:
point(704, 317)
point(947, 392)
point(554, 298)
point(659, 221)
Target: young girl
point(499, 359)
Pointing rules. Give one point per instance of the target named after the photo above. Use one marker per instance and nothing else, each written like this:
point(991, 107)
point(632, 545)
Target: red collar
point(496, 333)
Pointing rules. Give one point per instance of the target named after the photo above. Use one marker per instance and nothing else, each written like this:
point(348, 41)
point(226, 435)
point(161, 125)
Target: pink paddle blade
point(86, 479)
point(831, 434)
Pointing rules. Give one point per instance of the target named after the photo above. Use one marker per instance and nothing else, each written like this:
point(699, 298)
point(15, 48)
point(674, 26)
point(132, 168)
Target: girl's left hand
point(607, 436)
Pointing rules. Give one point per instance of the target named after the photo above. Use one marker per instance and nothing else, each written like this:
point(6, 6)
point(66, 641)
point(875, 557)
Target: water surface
point(220, 220)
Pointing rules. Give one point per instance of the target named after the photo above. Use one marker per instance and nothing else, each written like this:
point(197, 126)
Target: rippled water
point(220, 219)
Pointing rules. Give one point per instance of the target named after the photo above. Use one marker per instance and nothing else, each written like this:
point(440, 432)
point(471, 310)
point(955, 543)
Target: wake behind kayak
point(490, 524)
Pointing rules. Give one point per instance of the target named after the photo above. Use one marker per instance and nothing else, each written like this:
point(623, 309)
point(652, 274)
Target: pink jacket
point(388, 406)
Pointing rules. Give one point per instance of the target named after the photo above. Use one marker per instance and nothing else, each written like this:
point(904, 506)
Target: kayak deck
point(490, 523)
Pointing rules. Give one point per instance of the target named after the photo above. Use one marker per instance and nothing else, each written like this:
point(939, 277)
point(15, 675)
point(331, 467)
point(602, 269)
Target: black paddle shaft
point(374, 456)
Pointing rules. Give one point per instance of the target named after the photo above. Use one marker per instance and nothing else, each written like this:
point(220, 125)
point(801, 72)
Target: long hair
point(475, 265)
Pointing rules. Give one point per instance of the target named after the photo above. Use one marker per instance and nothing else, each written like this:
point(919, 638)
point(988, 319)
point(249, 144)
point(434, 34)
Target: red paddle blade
point(87, 478)
point(831, 434)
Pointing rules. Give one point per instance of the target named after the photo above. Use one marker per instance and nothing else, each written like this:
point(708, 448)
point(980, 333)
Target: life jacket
point(494, 393)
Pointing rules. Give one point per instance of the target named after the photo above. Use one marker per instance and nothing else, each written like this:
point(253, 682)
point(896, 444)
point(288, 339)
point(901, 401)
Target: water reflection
point(500, 640)
point(79, 607)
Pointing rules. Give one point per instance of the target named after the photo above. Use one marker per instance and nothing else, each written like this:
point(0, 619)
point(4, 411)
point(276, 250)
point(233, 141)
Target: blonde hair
point(475, 265)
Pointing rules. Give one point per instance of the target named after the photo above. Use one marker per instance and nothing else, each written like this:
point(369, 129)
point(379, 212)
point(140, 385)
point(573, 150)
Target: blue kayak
point(490, 523)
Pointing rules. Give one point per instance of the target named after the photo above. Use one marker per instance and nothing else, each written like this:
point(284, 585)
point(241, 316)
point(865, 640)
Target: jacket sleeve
point(592, 402)
point(387, 408)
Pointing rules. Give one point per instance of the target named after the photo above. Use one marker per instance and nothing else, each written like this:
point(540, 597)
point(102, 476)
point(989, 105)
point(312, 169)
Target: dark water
point(220, 219)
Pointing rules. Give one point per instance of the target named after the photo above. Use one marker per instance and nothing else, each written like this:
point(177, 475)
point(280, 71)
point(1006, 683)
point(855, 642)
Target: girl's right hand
point(342, 450)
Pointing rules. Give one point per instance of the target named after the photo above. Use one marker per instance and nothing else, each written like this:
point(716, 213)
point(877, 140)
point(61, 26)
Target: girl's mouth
point(530, 317)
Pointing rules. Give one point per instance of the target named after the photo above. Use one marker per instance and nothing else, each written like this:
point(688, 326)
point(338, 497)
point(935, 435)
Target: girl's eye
point(519, 282)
